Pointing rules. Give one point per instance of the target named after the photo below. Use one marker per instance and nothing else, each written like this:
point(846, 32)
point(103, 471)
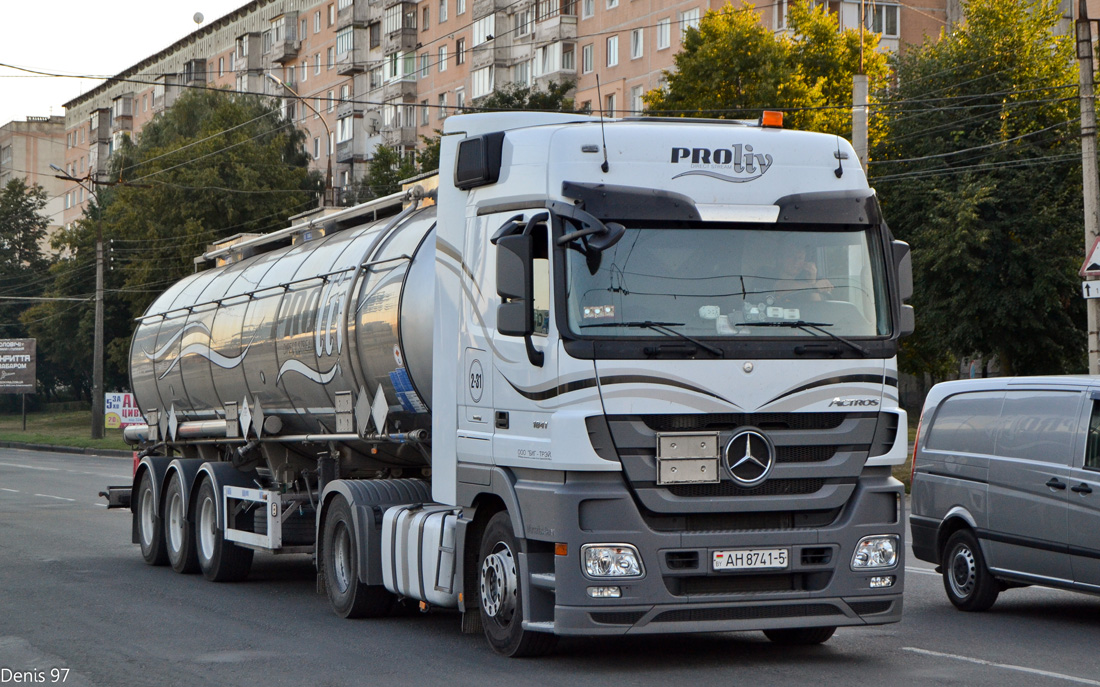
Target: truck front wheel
point(149, 530)
point(349, 597)
point(501, 596)
point(220, 560)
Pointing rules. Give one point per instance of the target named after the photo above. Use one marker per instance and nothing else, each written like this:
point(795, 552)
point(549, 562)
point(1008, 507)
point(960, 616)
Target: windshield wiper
point(811, 327)
point(664, 328)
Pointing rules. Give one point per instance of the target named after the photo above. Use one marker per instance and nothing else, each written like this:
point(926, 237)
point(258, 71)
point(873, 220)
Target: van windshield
point(724, 280)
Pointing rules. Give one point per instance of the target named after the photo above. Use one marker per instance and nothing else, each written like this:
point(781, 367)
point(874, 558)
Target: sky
point(85, 38)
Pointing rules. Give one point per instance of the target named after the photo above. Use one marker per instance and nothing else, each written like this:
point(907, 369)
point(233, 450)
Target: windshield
point(730, 281)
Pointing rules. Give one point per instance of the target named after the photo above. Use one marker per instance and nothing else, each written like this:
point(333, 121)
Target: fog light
point(882, 582)
point(611, 560)
point(605, 592)
point(876, 552)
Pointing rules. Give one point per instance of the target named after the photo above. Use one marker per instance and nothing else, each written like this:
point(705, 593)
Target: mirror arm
point(534, 355)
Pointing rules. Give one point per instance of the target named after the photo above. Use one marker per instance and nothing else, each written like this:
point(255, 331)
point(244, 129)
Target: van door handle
point(1053, 483)
point(1081, 488)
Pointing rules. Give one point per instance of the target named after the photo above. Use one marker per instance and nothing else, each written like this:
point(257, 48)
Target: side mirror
point(516, 314)
point(903, 263)
point(908, 322)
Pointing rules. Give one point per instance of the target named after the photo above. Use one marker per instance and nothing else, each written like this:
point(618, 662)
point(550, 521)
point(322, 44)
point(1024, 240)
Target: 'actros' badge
point(749, 458)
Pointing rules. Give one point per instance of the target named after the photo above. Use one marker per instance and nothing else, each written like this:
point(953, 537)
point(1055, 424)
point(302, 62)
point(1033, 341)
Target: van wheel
point(501, 594)
point(966, 580)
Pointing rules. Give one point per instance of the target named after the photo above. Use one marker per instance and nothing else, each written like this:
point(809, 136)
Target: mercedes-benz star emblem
point(749, 458)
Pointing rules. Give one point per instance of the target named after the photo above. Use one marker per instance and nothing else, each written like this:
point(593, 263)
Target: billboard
point(120, 410)
point(17, 373)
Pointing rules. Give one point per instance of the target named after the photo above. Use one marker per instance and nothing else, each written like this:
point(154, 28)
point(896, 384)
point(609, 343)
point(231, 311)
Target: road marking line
point(62, 498)
point(14, 491)
point(922, 571)
point(100, 505)
point(28, 467)
point(1005, 666)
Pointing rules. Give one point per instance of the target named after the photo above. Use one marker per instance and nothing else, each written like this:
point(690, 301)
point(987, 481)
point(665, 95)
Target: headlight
point(876, 552)
point(611, 560)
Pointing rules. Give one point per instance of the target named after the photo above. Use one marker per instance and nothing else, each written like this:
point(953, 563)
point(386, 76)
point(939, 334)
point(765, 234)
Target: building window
point(317, 21)
point(331, 101)
point(635, 44)
point(221, 66)
point(305, 29)
point(460, 100)
point(423, 113)
point(331, 142)
point(343, 129)
point(317, 63)
point(524, 25)
point(316, 148)
point(329, 58)
point(664, 33)
point(331, 14)
point(424, 19)
point(521, 73)
point(305, 63)
point(442, 65)
point(568, 57)
point(611, 4)
point(460, 6)
point(482, 81)
point(289, 75)
point(883, 19)
point(688, 20)
point(586, 59)
point(610, 105)
point(344, 40)
point(484, 29)
point(344, 4)
point(316, 108)
point(344, 92)
point(442, 11)
point(588, 8)
point(636, 104)
point(145, 103)
point(375, 30)
point(424, 66)
point(460, 51)
point(612, 51)
point(443, 104)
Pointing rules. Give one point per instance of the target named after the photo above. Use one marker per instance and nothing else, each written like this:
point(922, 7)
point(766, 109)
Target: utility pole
point(859, 99)
point(1091, 179)
point(97, 343)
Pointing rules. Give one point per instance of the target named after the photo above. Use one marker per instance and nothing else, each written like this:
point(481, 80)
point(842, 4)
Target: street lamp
point(328, 132)
point(97, 347)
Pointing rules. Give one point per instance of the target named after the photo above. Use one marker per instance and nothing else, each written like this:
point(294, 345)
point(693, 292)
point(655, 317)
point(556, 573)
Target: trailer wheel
point(350, 597)
point(219, 560)
point(800, 636)
point(501, 594)
point(150, 532)
point(178, 535)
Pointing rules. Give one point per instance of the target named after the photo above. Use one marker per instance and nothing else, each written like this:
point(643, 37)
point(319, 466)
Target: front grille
point(774, 487)
point(741, 522)
point(732, 584)
point(682, 560)
point(871, 607)
point(695, 615)
point(616, 618)
point(805, 454)
point(817, 555)
point(765, 421)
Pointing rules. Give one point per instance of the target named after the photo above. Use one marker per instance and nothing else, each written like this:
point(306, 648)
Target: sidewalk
point(105, 452)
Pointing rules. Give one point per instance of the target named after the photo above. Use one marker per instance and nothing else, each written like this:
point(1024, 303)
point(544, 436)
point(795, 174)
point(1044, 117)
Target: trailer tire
point(179, 536)
point(501, 594)
point(220, 560)
point(350, 598)
point(149, 529)
point(800, 636)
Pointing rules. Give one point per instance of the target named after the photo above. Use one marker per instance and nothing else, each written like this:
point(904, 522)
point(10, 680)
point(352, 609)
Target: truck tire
point(800, 636)
point(219, 560)
point(179, 536)
point(501, 594)
point(968, 583)
point(149, 529)
point(350, 597)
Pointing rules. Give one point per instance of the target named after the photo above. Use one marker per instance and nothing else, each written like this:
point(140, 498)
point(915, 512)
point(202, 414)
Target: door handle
point(1081, 488)
point(1053, 483)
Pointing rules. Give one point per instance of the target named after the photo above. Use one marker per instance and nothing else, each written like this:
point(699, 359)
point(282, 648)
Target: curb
point(106, 452)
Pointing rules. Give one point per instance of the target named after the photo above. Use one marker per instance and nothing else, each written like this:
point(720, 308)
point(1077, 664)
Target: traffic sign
point(1091, 266)
point(1090, 289)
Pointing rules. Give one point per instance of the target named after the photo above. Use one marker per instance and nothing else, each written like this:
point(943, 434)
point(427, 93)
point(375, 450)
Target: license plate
point(751, 559)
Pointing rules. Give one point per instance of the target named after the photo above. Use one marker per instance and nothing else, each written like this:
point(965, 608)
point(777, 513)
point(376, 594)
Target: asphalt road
point(75, 596)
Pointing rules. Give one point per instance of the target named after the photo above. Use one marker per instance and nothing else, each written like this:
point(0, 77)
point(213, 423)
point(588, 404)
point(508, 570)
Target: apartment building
point(27, 149)
point(354, 74)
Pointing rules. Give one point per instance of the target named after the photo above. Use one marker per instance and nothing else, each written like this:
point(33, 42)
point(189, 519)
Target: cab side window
point(541, 277)
point(1092, 443)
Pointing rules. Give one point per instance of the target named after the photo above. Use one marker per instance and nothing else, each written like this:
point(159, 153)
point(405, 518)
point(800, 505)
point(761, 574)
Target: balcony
point(403, 90)
point(358, 13)
point(486, 55)
point(345, 152)
point(399, 136)
point(284, 51)
point(557, 28)
point(401, 40)
point(351, 62)
point(348, 108)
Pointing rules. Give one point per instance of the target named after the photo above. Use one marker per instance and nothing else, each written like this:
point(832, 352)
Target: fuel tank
point(291, 328)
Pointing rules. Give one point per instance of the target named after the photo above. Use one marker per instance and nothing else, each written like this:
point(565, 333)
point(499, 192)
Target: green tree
point(515, 96)
point(213, 165)
point(980, 172)
point(732, 67)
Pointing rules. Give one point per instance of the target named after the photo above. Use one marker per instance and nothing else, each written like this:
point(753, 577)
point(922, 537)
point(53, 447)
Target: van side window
point(1092, 447)
point(1039, 425)
point(966, 423)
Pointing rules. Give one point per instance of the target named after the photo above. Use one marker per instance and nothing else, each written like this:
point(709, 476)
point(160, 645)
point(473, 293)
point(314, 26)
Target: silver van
point(1004, 475)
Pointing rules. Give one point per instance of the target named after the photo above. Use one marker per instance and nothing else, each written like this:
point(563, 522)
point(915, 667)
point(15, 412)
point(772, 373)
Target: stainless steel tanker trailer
point(605, 377)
